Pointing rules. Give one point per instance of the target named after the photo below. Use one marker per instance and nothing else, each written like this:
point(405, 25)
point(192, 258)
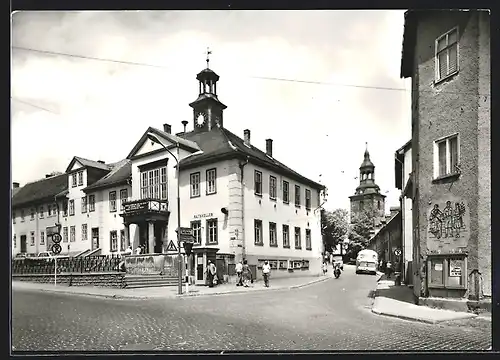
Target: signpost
point(397, 252)
point(56, 250)
point(186, 236)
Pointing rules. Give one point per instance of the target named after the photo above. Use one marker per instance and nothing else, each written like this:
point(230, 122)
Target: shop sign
point(199, 216)
point(136, 206)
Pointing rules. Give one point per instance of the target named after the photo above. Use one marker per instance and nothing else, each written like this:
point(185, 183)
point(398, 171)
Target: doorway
point(95, 238)
point(24, 244)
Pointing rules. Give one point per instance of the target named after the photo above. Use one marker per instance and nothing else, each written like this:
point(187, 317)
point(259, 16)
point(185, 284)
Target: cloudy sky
point(319, 83)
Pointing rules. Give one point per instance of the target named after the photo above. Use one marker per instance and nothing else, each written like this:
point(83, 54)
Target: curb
point(403, 317)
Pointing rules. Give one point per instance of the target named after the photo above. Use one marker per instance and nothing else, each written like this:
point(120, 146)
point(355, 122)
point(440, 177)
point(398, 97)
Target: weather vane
point(208, 59)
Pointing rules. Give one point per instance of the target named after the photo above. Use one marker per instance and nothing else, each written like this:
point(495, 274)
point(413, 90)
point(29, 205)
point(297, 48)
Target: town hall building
point(240, 202)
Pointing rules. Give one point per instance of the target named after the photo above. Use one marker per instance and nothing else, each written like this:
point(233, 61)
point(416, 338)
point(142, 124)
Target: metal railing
point(91, 264)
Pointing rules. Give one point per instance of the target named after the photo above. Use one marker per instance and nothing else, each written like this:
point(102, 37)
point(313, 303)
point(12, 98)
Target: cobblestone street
point(330, 315)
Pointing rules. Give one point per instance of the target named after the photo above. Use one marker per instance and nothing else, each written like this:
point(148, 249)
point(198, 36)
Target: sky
point(321, 84)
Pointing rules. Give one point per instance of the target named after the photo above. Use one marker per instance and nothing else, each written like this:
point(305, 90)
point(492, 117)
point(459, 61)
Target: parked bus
point(366, 262)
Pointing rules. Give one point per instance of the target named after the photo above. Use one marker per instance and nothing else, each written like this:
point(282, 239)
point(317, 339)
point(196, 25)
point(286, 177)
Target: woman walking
point(246, 274)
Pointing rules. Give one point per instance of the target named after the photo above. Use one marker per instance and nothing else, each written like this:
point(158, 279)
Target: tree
point(334, 227)
point(360, 232)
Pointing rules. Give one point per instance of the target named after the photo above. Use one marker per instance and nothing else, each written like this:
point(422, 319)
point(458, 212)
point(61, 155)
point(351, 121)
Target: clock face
point(200, 120)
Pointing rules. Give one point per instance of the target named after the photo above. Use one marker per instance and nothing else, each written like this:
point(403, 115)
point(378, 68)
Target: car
point(366, 262)
point(338, 260)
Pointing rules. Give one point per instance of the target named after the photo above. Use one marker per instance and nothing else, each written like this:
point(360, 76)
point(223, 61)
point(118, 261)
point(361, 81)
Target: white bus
point(366, 262)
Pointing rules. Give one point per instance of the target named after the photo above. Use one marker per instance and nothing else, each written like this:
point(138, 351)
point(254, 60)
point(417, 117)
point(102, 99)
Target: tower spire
point(208, 57)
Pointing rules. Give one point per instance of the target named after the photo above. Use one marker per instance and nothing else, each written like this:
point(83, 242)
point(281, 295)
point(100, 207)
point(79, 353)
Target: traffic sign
point(397, 252)
point(56, 238)
point(171, 246)
point(56, 249)
point(186, 231)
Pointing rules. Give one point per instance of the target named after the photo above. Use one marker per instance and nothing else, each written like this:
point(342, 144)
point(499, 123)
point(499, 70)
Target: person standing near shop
point(266, 271)
point(239, 270)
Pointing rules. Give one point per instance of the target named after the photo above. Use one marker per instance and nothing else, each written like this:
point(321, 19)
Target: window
point(113, 240)
point(122, 240)
point(211, 183)
point(123, 197)
point(49, 210)
point(73, 178)
point(308, 199)
point(297, 195)
point(272, 187)
point(13, 217)
point(84, 232)
point(378, 204)
point(194, 180)
point(211, 231)
point(80, 178)
point(91, 203)
point(286, 236)
point(273, 241)
point(361, 205)
point(65, 234)
point(22, 215)
point(446, 155)
point(286, 192)
point(84, 204)
point(32, 238)
point(65, 208)
point(14, 241)
point(196, 226)
point(298, 244)
point(308, 239)
point(112, 201)
point(258, 182)
point(71, 207)
point(258, 232)
point(32, 213)
point(447, 54)
point(72, 233)
point(154, 183)
point(42, 238)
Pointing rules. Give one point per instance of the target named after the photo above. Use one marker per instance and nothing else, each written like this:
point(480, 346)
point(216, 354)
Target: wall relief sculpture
point(448, 225)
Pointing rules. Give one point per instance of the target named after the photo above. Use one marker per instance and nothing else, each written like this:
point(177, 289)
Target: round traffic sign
point(56, 238)
point(56, 249)
point(397, 252)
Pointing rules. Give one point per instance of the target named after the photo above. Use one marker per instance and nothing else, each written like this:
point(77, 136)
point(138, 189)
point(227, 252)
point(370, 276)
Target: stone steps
point(142, 281)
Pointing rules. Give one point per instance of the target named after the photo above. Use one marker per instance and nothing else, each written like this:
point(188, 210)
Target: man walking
point(266, 269)
point(239, 271)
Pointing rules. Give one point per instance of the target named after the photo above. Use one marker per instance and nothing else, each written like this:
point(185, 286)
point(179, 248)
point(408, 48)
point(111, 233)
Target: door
point(23, 243)
point(199, 267)
point(95, 238)
point(158, 230)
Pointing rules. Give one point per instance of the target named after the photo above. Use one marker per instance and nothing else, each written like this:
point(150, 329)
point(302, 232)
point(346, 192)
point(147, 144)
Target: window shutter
point(442, 65)
point(442, 158)
point(453, 56)
point(111, 241)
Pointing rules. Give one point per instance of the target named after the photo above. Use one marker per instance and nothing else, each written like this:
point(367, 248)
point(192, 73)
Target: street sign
point(56, 238)
point(56, 249)
point(171, 246)
point(186, 231)
point(397, 252)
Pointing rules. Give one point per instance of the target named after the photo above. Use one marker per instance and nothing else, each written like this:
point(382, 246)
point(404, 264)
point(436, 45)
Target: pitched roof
point(40, 190)
point(120, 173)
point(87, 162)
point(183, 142)
point(221, 143)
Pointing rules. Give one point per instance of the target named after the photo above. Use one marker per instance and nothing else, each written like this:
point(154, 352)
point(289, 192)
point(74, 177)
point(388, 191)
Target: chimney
point(269, 147)
point(15, 185)
point(167, 128)
point(100, 161)
point(184, 123)
point(246, 136)
point(48, 175)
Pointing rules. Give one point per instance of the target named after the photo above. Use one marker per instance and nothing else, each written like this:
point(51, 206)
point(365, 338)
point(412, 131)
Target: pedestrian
point(266, 272)
point(388, 271)
point(138, 250)
point(128, 251)
point(239, 270)
point(325, 268)
point(246, 274)
point(211, 273)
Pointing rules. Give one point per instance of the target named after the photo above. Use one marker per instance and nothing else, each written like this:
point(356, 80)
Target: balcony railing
point(145, 205)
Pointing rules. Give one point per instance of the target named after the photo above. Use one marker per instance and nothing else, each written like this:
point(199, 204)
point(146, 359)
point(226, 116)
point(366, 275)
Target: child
point(325, 268)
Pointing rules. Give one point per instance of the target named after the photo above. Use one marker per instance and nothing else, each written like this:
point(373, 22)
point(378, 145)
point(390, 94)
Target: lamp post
point(176, 158)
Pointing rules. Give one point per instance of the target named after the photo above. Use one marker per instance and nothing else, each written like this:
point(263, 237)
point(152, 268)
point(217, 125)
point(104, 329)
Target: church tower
point(207, 109)
point(367, 196)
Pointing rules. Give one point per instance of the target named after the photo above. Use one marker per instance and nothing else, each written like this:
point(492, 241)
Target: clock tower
point(207, 109)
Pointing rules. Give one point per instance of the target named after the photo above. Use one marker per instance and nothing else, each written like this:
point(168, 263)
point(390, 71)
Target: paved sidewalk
point(397, 301)
point(170, 291)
